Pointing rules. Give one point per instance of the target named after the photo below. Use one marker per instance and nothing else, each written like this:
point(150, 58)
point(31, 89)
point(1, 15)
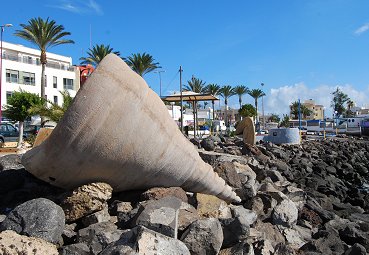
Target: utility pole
point(180, 88)
point(159, 72)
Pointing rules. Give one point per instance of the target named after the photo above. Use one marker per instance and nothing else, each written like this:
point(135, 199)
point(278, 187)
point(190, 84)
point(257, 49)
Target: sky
point(299, 49)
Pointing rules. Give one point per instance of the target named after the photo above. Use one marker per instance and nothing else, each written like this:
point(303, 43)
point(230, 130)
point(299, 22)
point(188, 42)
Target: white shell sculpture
point(118, 131)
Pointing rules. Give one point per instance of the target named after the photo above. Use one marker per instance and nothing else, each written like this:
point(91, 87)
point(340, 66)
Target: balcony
point(32, 61)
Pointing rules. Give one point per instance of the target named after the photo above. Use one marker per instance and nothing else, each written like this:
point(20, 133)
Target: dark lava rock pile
point(296, 199)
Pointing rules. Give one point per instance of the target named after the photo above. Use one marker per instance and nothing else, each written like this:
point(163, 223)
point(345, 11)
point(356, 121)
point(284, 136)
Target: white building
point(21, 69)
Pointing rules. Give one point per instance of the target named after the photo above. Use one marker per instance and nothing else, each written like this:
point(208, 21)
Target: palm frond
point(142, 63)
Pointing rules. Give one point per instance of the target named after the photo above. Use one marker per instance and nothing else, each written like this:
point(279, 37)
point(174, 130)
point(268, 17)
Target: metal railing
point(37, 62)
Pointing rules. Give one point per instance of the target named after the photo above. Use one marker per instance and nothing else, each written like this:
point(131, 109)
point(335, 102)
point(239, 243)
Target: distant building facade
point(317, 110)
point(21, 70)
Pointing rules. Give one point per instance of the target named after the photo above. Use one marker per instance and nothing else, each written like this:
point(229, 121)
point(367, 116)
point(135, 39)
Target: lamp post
point(1, 60)
point(159, 72)
point(335, 114)
point(325, 122)
point(262, 107)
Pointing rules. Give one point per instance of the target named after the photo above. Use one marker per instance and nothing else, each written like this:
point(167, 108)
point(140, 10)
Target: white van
point(354, 126)
point(219, 125)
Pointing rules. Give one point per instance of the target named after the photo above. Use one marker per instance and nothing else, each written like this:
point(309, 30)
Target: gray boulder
point(237, 228)
point(263, 247)
point(97, 217)
point(69, 234)
point(11, 161)
point(285, 213)
point(208, 144)
point(141, 240)
point(187, 215)
point(98, 236)
point(204, 236)
point(75, 249)
point(159, 215)
point(39, 217)
point(356, 249)
point(238, 249)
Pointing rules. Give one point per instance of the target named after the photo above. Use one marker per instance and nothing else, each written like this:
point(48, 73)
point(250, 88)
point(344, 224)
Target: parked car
point(31, 130)
point(34, 129)
point(8, 133)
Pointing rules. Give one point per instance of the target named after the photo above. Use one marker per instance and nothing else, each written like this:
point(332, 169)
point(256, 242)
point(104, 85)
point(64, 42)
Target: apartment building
point(317, 110)
point(21, 70)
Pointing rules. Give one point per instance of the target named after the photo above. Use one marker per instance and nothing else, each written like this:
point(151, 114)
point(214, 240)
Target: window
point(55, 99)
point(68, 83)
point(27, 59)
point(12, 76)
point(28, 78)
point(8, 95)
point(55, 82)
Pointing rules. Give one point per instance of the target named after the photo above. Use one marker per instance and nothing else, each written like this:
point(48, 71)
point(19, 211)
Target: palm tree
point(294, 110)
point(256, 93)
point(212, 89)
point(195, 85)
point(226, 92)
point(142, 64)
point(350, 104)
point(96, 54)
point(240, 91)
point(44, 34)
point(198, 86)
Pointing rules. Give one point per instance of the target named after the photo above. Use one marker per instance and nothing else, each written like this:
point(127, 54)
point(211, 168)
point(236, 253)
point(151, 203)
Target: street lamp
point(1, 60)
point(335, 114)
point(262, 107)
point(159, 72)
point(325, 123)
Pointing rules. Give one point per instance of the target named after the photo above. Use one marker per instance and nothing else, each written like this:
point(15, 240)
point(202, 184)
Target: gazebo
point(190, 96)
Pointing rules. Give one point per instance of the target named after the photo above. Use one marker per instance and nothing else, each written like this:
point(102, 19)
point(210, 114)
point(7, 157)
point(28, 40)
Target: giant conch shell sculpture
point(118, 131)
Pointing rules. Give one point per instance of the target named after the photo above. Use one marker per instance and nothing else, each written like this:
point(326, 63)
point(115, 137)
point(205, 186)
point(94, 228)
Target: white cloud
point(79, 6)
point(362, 29)
point(94, 6)
point(278, 99)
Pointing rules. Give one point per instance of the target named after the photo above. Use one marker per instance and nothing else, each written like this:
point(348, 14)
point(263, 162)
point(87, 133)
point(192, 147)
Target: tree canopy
point(338, 102)
point(18, 107)
point(142, 63)
point(19, 104)
point(97, 53)
point(196, 85)
point(53, 111)
point(274, 118)
point(247, 110)
point(44, 34)
point(294, 110)
point(240, 90)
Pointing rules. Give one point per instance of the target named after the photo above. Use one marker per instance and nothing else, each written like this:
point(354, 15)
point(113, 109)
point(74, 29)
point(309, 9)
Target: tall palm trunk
point(226, 111)
point(256, 108)
point(43, 66)
point(213, 103)
point(240, 101)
